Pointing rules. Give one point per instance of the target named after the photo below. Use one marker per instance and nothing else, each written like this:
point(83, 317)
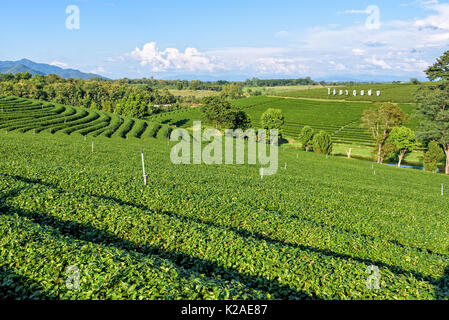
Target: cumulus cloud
point(400, 47)
point(171, 59)
point(378, 63)
point(437, 21)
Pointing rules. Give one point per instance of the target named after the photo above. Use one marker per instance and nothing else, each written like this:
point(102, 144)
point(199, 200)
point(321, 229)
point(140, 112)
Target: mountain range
point(35, 68)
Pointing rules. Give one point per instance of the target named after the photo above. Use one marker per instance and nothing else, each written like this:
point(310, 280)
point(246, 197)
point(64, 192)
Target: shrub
point(306, 137)
point(322, 143)
point(434, 155)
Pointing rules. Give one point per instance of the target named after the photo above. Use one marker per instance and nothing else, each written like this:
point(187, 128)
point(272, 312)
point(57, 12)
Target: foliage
point(381, 121)
point(433, 111)
point(273, 119)
point(232, 91)
point(322, 143)
point(125, 99)
point(403, 139)
point(433, 156)
point(201, 232)
point(306, 137)
point(164, 132)
point(222, 114)
point(440, 70)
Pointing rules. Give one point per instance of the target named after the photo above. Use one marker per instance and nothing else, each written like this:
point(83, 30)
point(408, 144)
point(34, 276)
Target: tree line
point(110, 96)
point(386, 122)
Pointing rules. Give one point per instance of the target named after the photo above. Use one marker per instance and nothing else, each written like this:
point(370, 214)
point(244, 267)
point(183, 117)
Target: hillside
point(203, 232)
point(34, 68)
point(400, 93)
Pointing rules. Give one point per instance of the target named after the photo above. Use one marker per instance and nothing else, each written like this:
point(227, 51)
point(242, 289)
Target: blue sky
point(233, 40)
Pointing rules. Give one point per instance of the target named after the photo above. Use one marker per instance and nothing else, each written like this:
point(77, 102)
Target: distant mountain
point(34, 68)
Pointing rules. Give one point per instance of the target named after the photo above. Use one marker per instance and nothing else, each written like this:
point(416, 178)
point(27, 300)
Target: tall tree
point(434, 113)
point(381, 121)
point(273, 119)
point(403, 139)
point(306, 137)
point(440, 70)
point(433, 156)
point(322, 142)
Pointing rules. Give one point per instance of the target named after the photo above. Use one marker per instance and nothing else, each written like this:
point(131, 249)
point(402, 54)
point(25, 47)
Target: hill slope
point(202, 232)
point(34, 68)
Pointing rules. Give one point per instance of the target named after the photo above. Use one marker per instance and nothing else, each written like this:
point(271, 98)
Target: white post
point(145, 177)
point(92, 146)
point(261, 173)
point(285, 167)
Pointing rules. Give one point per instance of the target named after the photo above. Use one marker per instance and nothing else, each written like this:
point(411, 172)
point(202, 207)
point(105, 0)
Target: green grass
point(400, 93)
point(204, 232)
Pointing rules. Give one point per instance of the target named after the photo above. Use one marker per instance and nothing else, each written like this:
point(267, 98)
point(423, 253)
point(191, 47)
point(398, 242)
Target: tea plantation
point(312, 231)
point(400, 92)
point(209, 232)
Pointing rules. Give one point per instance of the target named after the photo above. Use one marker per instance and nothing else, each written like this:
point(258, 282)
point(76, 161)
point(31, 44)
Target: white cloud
point(59, 64)
point(99, 70)
point(171, 59)
point(358, 52)
point(439, 20)
point(400, 48)
point(378, 63)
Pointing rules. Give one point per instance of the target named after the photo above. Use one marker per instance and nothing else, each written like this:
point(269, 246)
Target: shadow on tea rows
point(183, 261)
point(92, 234)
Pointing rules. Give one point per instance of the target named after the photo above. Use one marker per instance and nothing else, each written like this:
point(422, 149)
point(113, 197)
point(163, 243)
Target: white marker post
point(285, 167)
point(145, 177)
point(92, 146)
point(261, 173)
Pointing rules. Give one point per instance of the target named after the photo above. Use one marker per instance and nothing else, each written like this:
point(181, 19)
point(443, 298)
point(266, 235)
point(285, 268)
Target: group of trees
point(221, 114)
point(110, 96)
point(319, 142)
point(385, 122)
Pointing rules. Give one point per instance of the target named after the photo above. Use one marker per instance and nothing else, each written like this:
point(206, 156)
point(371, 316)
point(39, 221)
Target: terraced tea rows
point(26, 115)
point(204, 232)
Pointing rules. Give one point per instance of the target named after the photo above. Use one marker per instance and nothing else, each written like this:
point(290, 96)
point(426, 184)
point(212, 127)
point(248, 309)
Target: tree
point(433, 110)
point(387, 150)
point(322, 143)
point(381, 121)
point(403, 139)
point(440, 70)
point(433, 156)
point(232, 91)
point(222, 114)
point(306, 137)
point(273, 119)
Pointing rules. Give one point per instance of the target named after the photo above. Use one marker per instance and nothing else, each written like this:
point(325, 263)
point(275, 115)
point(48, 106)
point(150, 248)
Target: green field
point(203, 232)
point(340, 119)
point(400, 93)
